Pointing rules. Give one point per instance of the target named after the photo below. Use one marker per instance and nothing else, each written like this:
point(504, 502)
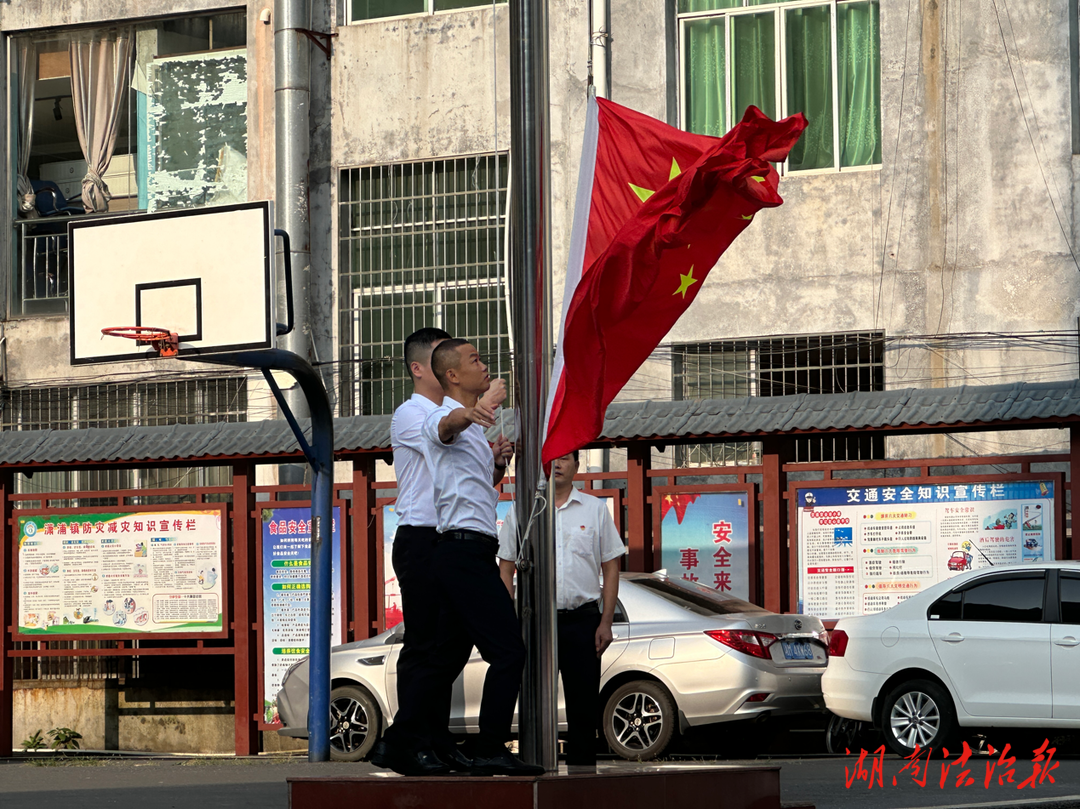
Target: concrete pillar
point(245, 647)
point(366, 586)
point(7, 664)
point(639, 507)
point(775, 452)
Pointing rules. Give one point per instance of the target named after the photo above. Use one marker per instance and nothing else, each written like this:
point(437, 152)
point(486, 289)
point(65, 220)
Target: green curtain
point(809, 85)
point(754, 63)
point(372, 9)
point(706, 97)
point(688, 6)
point(859, 82)
point(446, 5)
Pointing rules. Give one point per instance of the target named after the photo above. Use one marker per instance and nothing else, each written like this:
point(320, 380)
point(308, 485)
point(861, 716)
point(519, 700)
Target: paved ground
point(259, 783)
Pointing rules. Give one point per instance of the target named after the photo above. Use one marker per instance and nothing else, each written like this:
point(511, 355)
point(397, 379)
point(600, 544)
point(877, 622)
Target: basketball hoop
point(166, 342)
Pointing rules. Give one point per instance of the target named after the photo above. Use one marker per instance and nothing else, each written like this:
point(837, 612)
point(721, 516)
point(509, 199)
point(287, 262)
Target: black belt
point(588, 606)
point(468, 535)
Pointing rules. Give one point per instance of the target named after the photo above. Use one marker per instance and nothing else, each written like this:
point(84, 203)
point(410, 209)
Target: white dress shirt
point(585, 538)
point(415, 505)
point(461, 474)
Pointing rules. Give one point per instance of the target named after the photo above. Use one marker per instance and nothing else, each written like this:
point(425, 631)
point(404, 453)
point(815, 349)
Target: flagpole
point(530, 271)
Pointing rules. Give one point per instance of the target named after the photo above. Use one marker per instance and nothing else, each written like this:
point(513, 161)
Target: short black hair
point(419, 343)
point(445, 356)
point(576, 457)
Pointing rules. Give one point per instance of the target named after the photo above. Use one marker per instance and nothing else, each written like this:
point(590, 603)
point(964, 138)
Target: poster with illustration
point(286, 594)
point(391, 589)
point(864, 549)
point(704, 537)
point(120, 573)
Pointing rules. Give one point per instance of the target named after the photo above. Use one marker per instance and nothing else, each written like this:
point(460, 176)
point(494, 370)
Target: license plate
point(797, 650)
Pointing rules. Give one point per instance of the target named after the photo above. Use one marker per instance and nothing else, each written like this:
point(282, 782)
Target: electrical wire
point(1027, 126)
point(895, 168)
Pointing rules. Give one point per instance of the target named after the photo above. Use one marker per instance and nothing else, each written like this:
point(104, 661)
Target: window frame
point(777, 9)
point(1062, 576)
point(1049, 599)
point(429, 11)
point(48, 271)
point(766, 369)
point(441, 218)
point(72, 407)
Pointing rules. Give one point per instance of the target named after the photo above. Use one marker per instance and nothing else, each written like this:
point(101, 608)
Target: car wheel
point(841, 734)
point(354, 723)
point(917, 713)
point(639, 720)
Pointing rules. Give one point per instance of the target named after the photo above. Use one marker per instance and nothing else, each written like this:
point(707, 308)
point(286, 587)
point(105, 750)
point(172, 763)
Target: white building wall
point(965, 227)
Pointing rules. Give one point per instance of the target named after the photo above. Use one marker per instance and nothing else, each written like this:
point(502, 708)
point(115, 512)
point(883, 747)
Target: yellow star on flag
point(687, 281)
point(645, 193)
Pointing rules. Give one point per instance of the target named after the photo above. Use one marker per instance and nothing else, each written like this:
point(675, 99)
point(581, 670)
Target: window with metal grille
point(422, 244)
point(188, 401)
point(361, 10)
point(732, 369)
point(180, 135)
point(818, 57)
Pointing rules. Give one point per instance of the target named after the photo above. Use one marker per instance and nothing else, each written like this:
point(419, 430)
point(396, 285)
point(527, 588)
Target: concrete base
point(628, 787)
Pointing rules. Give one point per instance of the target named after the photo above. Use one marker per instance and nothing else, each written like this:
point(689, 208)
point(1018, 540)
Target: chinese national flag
point(656, 208)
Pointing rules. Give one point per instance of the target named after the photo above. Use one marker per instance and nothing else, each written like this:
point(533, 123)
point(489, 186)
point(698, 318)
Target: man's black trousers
point(580, 670)
point(478, 603)
point(433, 646)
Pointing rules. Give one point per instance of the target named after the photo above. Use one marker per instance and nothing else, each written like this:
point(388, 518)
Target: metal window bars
point(421, 244)
point(185, 401)
point(779, 366)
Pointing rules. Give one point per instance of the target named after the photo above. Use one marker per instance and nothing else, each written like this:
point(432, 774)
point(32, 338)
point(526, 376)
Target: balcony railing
point(41, 283)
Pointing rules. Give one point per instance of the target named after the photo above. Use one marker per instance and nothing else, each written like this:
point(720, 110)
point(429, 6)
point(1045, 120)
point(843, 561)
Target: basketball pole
point(320, 456)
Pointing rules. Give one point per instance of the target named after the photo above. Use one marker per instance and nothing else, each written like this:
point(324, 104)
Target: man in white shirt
point(419, 742)
point(463, 469)
point(587, 545)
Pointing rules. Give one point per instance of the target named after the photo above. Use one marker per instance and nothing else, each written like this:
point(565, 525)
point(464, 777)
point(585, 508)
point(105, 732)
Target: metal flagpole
point(530, 267)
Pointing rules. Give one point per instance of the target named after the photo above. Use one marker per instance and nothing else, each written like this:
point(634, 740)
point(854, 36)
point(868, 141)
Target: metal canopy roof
point(918, 410)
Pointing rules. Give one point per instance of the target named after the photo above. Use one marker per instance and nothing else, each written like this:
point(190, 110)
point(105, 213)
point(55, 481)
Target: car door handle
point(1068, 640)
point(953, 637)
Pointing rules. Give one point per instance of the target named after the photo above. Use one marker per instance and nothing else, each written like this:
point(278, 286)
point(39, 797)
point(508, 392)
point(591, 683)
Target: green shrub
point(35, 742)
point(64, 739)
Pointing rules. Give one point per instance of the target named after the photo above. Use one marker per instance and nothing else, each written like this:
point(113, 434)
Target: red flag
point(656, 208)
point(679, 502)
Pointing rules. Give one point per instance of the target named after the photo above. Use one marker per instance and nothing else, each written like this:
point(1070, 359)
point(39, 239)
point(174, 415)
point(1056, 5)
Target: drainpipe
point(292, 106)
point(292, 121)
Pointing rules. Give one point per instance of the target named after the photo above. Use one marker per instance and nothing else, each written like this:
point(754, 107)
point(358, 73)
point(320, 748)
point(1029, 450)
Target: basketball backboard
point(205, 273)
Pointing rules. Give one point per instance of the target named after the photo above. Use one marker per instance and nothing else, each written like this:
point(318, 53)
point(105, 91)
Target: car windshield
point(698, 598)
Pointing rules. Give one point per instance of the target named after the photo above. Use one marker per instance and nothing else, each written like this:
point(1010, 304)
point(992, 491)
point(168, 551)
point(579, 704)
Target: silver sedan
point(683, 655)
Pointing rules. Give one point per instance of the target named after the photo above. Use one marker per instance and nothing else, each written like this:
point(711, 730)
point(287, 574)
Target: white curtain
point(28, 73)
point(100, 72)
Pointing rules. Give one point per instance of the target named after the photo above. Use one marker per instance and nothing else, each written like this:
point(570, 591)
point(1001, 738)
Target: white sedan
point(993, 647)
point(684, 655)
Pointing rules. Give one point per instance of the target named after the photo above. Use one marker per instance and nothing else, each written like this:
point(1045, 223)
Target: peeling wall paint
point(197, 125)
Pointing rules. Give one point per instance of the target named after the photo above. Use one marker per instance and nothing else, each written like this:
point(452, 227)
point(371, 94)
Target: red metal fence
point(637, 495)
